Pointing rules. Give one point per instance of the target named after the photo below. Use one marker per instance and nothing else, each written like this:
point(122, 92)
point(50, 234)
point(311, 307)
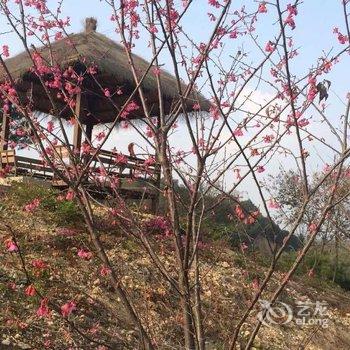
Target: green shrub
point(323, 265)
point(51, 209)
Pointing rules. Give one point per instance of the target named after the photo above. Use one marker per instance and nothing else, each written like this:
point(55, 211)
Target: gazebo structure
point(81, 51)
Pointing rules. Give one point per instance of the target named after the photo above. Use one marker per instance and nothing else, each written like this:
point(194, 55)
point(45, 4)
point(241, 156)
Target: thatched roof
point(87, 48)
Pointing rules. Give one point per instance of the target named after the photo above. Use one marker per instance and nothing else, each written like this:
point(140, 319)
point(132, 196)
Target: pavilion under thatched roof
point(113, 71)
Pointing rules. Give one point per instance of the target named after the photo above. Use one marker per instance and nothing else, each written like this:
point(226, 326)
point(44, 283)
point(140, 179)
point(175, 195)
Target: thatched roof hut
point(113, 71)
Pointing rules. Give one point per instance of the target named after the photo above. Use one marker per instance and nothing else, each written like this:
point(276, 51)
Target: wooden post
point(77, 132)
point(5, 131)
point(88, 131)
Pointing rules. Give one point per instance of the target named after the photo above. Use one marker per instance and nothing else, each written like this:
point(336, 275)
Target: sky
point(313, 35)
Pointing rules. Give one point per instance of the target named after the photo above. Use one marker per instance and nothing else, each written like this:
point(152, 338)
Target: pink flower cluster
point(312, 91)
point(32, 206)
point(39, 264)
point(214, 3)
point(343, 39)
point(129, 108)
point(269, 47)
point(68, 308)
point(5, 51)
point(84, 254)
point(11, 246)
point(30, 291)
point(157, 225)
point(262, 7)
point(8, 96)
point(246, 218)
point(43, 310)
point(292, 12)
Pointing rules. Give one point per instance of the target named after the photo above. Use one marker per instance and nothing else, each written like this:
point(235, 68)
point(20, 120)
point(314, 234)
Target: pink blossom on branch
point(39, 264)
point(292, 9)
point(312, 227)
point(131, 107)
point(32, 206)
point(214, 112)
point(290, 21)
point(11, 246)
point(214, 3)
point(70, 195)
point(260, 169)
point(269, 47)
point(30, 291)
point(68, 308)
point(153, 29)
point(272, 204)
point(43, 310)
point(107, 92)
point(84, 254)
point(104, 271)
point(50, 126)
point(262, 7)
point(238, 132)
point(5, 51)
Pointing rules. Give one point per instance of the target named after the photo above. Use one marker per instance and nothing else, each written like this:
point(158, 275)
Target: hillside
point(49, 250)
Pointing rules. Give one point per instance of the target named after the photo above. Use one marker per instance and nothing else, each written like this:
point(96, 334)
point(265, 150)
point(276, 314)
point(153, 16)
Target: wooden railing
point(18, 165)
point(125, 166)
point(117, 165)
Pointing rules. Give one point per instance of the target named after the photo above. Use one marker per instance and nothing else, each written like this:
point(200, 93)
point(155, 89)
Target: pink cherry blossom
point(290, 21)
point(5, 51)
point(233, 34)
point(32, 206)
point(107, 92)
point(84, 254)
point(343, 39)
point(43, 310)
point(272, 204)
point(50, 126)
point(214, 112)
point(132, 106)
point(149, 132)
point(238, 132)
point(100, 136)
point(70, 195)
point(292, 9)
point(153, 29)
point(121, 159)
point(312, 227)
point(214, 3)
point(262, 7)
point(104, 271)
point(85, 148)
point(39, 264)
point(11, 246)
point(260, 169)
point(149, 161)
point(68, 308)
point(269, 47)
point(30, 291)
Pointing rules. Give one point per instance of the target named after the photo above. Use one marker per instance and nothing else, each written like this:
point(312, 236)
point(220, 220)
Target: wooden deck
point(133, 177)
